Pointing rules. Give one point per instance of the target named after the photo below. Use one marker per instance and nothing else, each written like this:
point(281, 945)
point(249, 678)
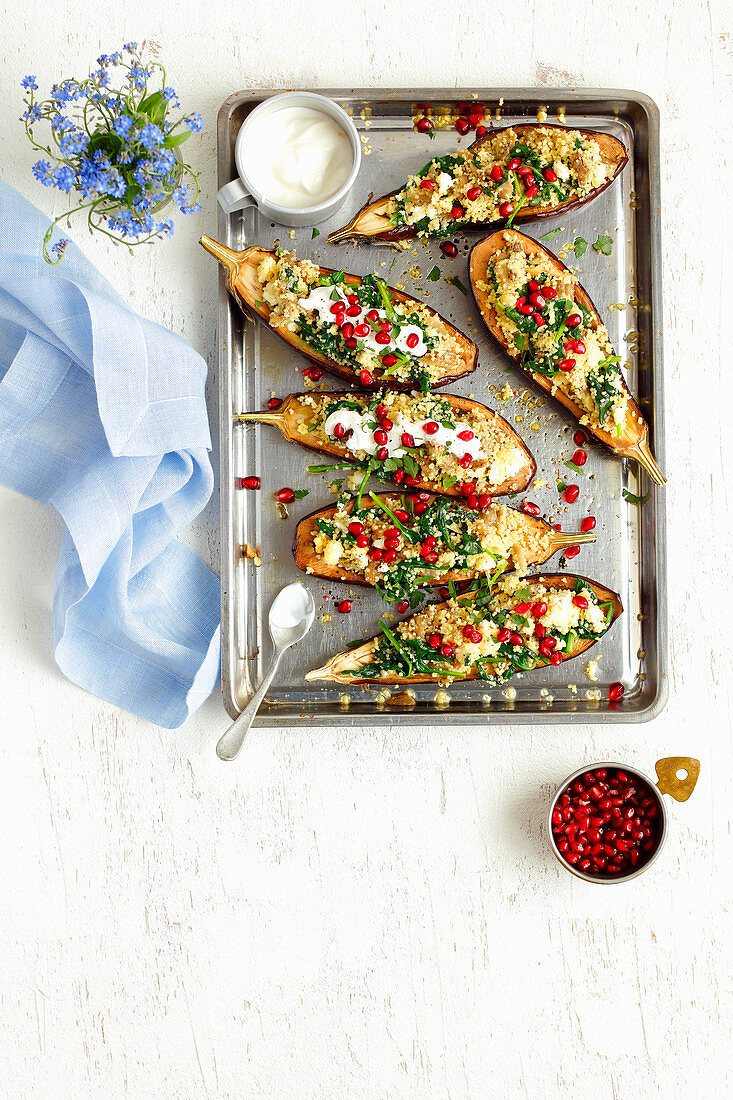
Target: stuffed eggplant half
point(513, 625)
point(356, 327)
point(398, 542)
point(518, 174)
point(437, 442)
point(544, 320)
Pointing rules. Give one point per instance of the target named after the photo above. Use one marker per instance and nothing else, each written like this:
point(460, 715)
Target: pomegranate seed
point(420, 509)
point(372, 315)
point(549, 292)
point(588, 524)
point(365, 378)
point(347, 330)
point(352, 299)
point(529, 508)
point(435, 641)
point(339, 431)
point(251, 483)
point(274, 403)
point(338, 307)
point(580, 347)
point(581, 602)
point(465, 461)
point(572, 551)
point(355, 527)
point(571, 494)
point(473, 193)
point(351, 343)
point(533, 285)
point(484, 501)
point(579, 457)
point(430, 428)
point(496, 174)
point(427, 185)
point(382, 453)
point(472, 501)
point(465, 435)
point(549, 175)
point(523, 607)
point(449, 249)
point(430, 542)
point(506, 208)
point(524, 308)
point(481, 131)
point(402, 606)
point(391, 533)
point(362, 541)
point(503, 635)
point(467, 487)
point(461, 125)
point(456, 211)
point(475, 117)
point(398, 477)
point(390, 556)
point(430, 556)
point(389, 360)
point(380, 436)
point(525, 171)
point(376, 553)
point(615, 692)
point(383, 338)
point(424, 126)
point(555, 659)
point(360, 331)
point(539, 609)
point(513, 163)
point(314, 373)
point(447, 649)
point(344, 607)
point(285, 496)
point(412, 340)
point(407, 440)
point(539, 630)
point(574, 320)
point(515, 639)
point(538, 319)
point(532, 191)
point(385, 423)
point(537, 300)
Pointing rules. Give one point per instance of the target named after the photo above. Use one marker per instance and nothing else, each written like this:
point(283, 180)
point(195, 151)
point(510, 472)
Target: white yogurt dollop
point(297, 157)
point(320, 300)
point(362, 438)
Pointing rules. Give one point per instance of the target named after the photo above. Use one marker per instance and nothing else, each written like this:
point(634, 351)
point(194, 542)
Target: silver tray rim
point(280, 715)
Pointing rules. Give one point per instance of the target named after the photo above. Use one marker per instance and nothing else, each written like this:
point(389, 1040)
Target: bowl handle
point(669, 783)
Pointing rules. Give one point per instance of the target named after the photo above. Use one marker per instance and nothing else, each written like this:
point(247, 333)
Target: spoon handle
point(231, 742)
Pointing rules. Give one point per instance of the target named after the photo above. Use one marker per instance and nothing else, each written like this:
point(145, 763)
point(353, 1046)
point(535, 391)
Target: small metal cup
point(668, 783)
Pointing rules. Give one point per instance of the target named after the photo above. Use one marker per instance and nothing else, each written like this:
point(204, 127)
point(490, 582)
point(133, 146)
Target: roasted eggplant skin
point(245, 287)
point(614, 152)
point(349, 658)
point(307, 559)
point(286, 419)
point(634, 442)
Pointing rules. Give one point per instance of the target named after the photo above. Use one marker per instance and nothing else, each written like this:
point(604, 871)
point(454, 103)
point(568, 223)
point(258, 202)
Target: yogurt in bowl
point(298, 155)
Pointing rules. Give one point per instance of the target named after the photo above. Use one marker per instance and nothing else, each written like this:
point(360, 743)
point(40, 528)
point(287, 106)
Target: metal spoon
point(291, 617)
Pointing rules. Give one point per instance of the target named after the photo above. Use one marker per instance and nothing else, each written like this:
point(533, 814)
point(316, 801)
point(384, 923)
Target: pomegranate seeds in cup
point(606, 822)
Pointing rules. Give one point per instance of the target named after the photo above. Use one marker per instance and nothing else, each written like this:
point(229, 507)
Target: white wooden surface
point(371, 914)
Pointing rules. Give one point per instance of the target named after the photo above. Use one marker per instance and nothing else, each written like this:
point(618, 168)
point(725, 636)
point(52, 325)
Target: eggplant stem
point(643, 455)
point(226, 256)
point(342, 234)
point(570, 538)
point(275, 418)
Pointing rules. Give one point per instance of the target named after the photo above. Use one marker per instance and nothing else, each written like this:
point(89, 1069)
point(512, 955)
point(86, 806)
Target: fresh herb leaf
point(456, 282)
point(580, 247)
point(300, 493)
point(434, 275)
point(260, 305)
point(551, 235)
point(315, 233)
point(603, 244)
point(634, 499)
point(572, 466)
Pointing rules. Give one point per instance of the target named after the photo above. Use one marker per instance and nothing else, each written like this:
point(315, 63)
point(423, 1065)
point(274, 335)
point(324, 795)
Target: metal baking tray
point(254, 364)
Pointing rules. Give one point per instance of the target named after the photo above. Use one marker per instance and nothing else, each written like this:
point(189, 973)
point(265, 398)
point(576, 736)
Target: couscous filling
point(399, 542)
point(361, 327)
point(492, 632)
point(413, 438)
point(552, 334)
point(548, 166)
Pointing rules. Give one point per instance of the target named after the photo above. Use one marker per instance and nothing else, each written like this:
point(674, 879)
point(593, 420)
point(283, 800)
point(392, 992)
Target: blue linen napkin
point(102, 415)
